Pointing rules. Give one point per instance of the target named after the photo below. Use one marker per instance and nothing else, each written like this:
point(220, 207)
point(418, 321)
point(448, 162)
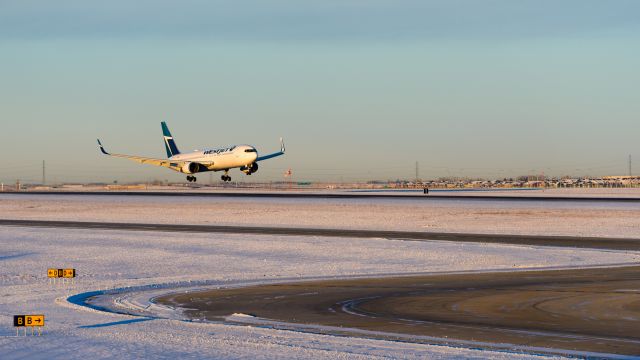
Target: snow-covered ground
point(107, 259)
point(612, 219)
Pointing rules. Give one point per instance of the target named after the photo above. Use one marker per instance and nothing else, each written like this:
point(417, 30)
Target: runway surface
point(535, 240)
point(587, 310)
point(362, 195)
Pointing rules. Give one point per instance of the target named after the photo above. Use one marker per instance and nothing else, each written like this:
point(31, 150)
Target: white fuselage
point(221, 158)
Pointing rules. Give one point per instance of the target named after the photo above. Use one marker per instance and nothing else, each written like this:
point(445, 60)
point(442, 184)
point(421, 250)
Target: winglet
point(269, 156)
point(102, 148)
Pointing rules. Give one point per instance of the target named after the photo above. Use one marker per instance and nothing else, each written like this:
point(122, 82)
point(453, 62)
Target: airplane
point(244, 157)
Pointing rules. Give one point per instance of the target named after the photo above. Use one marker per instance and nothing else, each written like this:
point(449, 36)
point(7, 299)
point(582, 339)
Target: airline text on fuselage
point(219, 151)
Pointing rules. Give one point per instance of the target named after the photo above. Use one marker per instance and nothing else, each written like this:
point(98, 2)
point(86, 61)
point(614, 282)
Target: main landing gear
point(226, 176)
point(191, 178)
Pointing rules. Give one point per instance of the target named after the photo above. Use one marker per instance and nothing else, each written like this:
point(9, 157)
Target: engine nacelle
point(249, 169)
point(191, 168)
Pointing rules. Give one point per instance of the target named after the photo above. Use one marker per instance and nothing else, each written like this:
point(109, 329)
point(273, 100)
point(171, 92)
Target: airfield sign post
point(53, 274)
point(25, 321)
point(68, 274)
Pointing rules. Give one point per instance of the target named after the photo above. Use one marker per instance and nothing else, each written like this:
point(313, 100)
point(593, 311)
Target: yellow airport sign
point(69, 273)
point(61, 273)
point(34, 320)
point(54, 273)
point(28, 320)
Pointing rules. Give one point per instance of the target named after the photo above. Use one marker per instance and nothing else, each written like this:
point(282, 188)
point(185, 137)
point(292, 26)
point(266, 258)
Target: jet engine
point(191, 168)
point(249, 169)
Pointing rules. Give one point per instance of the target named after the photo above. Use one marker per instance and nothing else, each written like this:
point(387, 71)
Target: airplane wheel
point(228, 178)
point(223, 178)
point(194, 179)
point(189, 178)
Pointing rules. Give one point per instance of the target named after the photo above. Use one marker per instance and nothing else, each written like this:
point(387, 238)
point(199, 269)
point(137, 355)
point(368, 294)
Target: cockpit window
point(250, 150)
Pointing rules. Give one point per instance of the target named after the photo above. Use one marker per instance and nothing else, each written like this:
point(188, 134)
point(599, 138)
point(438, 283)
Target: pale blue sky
point(359, 89)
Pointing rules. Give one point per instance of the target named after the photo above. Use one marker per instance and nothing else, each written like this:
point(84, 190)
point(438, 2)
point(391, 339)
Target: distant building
point(623, 177)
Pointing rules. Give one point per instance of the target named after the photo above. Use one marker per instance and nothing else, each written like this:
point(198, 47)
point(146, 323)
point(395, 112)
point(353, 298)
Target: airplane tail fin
point(169, 144)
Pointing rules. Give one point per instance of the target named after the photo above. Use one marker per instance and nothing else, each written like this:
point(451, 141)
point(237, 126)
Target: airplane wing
point(269, 156)
point(175, 165)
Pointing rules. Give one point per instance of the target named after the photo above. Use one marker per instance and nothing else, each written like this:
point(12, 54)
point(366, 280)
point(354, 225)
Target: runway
point(587, 310)
point(534, 240)
point(418, 195)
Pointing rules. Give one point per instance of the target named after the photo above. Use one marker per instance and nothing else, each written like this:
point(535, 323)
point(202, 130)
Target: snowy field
point(606, 219)
point(107, 259)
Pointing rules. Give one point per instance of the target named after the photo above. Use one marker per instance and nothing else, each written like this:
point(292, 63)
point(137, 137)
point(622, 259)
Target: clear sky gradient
point(359, 89)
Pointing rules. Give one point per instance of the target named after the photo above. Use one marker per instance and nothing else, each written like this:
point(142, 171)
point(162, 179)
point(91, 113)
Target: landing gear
point(191, 178)
point(226, 176)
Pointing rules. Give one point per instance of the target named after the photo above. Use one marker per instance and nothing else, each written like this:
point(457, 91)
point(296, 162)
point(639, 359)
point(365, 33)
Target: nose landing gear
point(191, 178)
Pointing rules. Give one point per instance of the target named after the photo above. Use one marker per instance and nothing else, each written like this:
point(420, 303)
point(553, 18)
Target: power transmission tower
point(417, 172)
point(630, 165)
point(43, 173)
